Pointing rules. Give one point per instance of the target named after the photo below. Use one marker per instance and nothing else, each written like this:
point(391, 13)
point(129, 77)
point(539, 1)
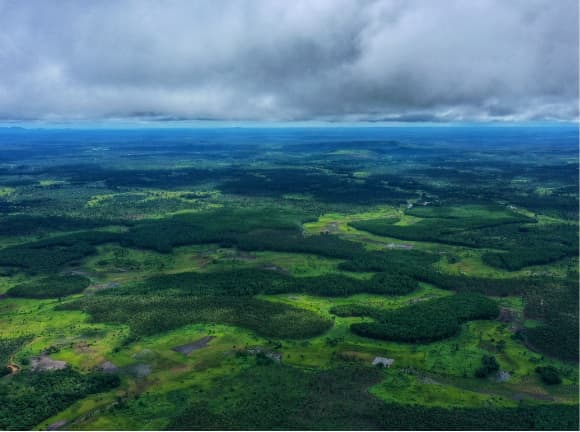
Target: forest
point(301, 278)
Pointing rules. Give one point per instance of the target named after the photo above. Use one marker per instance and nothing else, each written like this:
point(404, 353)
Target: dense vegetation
point(525, 244)
point(555, 303)
point(53, 254)
point(28, 398)
point(214, 227)
point(276, 397)
point(455, 231)
point(247, 282)
point(270, 253)
point(549, 375)
point(489, 365)
point(16, 225)
point(428, 320)
point(158, 313)
point(51, 287)
point(8, 347)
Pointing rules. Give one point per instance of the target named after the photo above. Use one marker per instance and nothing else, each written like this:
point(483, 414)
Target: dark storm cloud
point(444, 60)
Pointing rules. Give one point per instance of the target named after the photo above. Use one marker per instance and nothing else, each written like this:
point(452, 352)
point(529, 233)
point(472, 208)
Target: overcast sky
point(277, 60)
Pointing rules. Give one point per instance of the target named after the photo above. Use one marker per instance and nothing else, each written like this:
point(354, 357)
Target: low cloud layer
point(335, 60)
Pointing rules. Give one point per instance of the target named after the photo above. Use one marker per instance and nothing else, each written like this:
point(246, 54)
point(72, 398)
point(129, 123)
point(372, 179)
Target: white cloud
point(447, 60)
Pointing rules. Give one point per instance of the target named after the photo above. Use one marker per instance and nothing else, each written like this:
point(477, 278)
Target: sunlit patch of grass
point(6, 191)
point(50, 182)
point(407, 388)
point(68, 334)
point(341, 220)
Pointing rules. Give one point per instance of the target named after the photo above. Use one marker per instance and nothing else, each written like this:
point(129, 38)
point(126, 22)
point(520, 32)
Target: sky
point(348, 61)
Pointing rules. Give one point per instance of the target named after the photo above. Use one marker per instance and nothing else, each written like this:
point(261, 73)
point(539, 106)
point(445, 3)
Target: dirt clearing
point(193, 346)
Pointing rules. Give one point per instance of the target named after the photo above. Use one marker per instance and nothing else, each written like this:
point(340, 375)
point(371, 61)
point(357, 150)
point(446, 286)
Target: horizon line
point(228, 124)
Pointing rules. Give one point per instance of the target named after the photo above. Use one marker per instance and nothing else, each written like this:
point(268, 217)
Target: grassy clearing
point(489, 212)
point(400, 387)
point(84, 345)
point(338, 222)
point(171, 373)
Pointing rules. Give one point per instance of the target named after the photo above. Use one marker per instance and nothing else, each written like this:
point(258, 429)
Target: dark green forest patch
point(53, 254)
point(27, 398)
point(17, 225)
point(325, 187)
point(8, 347)
point(50, 287)
point(219, 226)
point(524, 244)
point(426, 321)
point(158, 313)
point(281, 397)
point(555, 303)
point(454, 231)
point(252, 281)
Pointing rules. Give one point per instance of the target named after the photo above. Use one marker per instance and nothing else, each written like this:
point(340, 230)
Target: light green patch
point(68, 335)
point(342, 220)
point(406, 388)
point(49, 182)
point(6, 191)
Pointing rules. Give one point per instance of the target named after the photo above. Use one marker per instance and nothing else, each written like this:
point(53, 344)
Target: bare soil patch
point(109, 367)
point(332, 227)
point(274, 267)
point(104, 286)
point(399, 246)
point(56, 425)
point(193, 346)
point(45, 363)
point(139, 370)
point(82, 348)
point(245, 256)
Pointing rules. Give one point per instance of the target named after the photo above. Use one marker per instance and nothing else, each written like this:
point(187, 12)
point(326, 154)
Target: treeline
point(438, 230)
point(519, 258)
point(83, 173)
point(325, 187)
point(426, 321)
point(418, 265)
point(536, 245)
point(52, 254)
point(252, 281)
point(562, 202)
point(472, 284)
point(50, 287)
point(29, 398)
point(170, 301)
point(246, 231)
point(324, 244)
point(219, 226)
point(408, 262)
point(555, 303)
point(18, 225)
point(525, 245)
point(151, 314)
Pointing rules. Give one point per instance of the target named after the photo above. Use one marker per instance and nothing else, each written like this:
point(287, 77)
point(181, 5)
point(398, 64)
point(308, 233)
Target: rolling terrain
point(288, 278)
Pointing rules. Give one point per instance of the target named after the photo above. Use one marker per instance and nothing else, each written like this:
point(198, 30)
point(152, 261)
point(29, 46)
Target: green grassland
point(267, 261)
